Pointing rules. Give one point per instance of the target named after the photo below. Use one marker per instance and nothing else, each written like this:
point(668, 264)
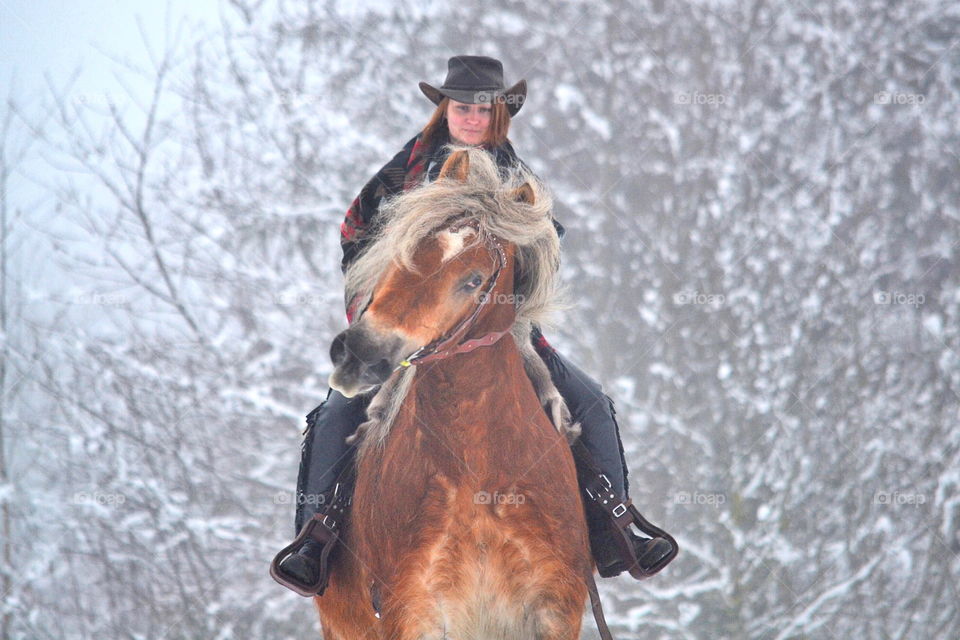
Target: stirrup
point(323, 528)
point(624, 514)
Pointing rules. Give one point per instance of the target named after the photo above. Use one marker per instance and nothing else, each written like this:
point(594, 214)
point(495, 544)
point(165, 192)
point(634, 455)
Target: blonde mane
point(487, 200)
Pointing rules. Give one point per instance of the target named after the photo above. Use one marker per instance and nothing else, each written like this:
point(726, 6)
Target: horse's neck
point(464, 389)
point(473, 371)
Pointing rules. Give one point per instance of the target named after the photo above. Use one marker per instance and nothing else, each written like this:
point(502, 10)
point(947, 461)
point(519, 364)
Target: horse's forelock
point(488, 199)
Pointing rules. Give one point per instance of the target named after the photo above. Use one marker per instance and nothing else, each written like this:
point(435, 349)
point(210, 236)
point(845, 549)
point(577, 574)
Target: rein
point(449, 344)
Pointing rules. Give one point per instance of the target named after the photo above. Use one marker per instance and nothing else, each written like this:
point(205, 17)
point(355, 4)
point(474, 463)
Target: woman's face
point(468, 123)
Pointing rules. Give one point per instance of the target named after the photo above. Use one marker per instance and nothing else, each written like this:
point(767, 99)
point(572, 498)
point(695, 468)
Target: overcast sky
point(59, 37)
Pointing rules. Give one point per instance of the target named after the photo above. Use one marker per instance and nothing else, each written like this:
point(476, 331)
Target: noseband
point(449, 344)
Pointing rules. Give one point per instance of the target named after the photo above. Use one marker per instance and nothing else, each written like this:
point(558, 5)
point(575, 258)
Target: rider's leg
point(324, 451)
point(600, 433)
point(324, 454)
point(593, 409)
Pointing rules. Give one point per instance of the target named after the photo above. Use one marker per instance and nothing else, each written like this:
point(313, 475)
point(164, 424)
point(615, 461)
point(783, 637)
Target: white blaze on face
point(452, 242)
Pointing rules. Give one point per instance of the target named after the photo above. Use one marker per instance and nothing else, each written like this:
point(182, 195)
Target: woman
point(473, 108)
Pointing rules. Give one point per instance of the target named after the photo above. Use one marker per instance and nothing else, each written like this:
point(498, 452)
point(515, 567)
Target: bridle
point(449, 344)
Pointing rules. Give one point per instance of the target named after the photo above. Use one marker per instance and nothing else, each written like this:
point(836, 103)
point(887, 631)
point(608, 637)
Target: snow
point(165, 332)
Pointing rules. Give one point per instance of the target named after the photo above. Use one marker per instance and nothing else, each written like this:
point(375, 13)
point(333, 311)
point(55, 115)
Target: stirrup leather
point(622, 515)
point(324, 528)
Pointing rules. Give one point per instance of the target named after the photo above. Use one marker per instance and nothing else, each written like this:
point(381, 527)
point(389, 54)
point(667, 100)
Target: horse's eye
point(473, 283)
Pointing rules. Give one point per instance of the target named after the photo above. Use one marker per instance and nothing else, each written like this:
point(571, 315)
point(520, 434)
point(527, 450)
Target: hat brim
point(514, 97)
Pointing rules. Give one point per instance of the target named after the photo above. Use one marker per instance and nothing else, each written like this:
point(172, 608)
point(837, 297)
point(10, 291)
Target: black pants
point(324, 452)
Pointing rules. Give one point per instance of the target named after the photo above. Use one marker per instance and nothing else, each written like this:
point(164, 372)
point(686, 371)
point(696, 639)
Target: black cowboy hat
point(477, 80)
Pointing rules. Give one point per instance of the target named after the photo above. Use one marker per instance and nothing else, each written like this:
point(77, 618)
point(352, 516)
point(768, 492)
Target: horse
point(465, 518)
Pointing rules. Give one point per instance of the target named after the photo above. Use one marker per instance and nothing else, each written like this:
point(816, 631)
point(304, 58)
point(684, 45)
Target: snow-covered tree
point(762, 251)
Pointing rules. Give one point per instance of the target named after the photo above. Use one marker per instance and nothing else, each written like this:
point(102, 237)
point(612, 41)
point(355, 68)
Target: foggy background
point(761, 203)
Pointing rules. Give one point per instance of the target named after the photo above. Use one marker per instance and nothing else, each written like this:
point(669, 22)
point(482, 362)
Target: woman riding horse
point(473, 108)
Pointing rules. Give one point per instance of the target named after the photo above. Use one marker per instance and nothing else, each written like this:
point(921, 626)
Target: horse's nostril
point(338, 350)
point(383, 369)
point(376, 373)
point(360, 356)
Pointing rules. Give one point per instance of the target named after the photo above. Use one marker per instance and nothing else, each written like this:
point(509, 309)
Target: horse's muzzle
point(363, 360)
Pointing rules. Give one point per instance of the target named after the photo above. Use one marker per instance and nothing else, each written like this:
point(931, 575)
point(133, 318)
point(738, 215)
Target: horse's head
point(442, 269)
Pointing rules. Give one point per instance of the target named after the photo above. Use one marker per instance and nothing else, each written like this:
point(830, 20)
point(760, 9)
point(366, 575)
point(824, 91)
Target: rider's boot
point(304, 565)
point(615, 546)
point(602, 475)
point(324, 493)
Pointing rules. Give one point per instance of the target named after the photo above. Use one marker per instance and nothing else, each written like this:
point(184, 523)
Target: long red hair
point(437, 128)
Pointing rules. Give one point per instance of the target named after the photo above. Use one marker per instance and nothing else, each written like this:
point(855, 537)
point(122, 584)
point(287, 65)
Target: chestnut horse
point(466, 519)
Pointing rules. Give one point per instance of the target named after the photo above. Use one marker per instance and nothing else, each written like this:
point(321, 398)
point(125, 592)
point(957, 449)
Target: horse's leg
point(561, 625)
point(345, 609)
point(327, 632)
point(452, 589)
point(559, 610)
point(410, 613)
point(330, 633)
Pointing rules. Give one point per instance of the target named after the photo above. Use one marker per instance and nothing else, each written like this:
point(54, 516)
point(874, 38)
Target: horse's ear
point(524, 193)
point(457, 166)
